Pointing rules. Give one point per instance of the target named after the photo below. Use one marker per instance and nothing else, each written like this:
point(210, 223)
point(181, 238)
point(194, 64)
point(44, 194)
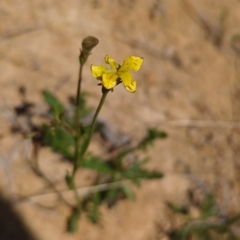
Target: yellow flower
point(117, 73)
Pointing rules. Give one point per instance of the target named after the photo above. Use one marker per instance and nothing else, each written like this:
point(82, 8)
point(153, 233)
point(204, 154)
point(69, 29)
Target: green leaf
point(73, 221)
point(96, 164)
point(53, 102)
point(59, 140)
point(128, 192)
point(151, 136)
point(154, 133)
point(93, 212)
point(183, 234)
point(233, 219)
point(177, 208)
point(136, 171)
point(208, 206)
point(133, 173)
point(112, 194)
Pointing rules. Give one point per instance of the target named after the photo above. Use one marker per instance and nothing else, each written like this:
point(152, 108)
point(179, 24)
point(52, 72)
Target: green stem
point(77, 113)
point(77, 121)
point(87, 142)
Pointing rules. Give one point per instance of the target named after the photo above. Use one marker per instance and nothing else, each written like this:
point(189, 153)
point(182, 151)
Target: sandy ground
point(188, 86)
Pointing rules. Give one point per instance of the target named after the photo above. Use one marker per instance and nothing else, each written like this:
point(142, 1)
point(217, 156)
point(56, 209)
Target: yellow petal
point(109, 80)
point(131, 63)
point(128, 82)
point(98, 71)
point(114, 65)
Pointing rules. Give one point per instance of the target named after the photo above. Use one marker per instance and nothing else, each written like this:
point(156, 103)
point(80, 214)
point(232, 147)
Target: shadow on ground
point(11, 225)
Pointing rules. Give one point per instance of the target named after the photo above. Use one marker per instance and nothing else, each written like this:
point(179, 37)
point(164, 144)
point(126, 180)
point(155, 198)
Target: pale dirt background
point(188, 86)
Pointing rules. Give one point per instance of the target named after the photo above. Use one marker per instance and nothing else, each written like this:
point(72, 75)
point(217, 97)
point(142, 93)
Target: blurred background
point(188, 86)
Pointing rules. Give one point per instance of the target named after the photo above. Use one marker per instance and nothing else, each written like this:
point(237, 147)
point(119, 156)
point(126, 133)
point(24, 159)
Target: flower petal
point(98, 71)
point(131, 63)
point(114, 65)
point(128, 82)
point(109, 80)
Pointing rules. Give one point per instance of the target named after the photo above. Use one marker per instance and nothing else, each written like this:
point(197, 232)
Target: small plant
point(209, 225)
point(68, 135)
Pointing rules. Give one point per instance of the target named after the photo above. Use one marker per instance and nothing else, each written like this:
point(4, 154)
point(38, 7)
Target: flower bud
point(87, 45)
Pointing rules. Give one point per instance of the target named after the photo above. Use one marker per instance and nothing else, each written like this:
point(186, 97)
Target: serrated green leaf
point(152, 134)
point(136, 171)
point(53, 102)
point(96, 164)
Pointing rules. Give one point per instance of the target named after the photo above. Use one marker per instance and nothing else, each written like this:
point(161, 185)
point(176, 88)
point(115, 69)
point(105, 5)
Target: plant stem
point(77, 121)
point(77, 110)
point(87, 142)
